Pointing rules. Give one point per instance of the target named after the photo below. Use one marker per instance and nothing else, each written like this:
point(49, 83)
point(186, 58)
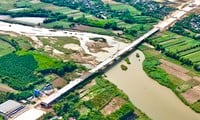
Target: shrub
point(124, 68)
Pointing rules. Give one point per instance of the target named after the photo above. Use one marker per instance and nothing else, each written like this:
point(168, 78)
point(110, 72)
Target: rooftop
point(9, 106)
point(32, 114)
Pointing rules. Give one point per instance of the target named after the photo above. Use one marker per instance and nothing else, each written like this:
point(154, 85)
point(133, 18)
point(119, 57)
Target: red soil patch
point(6, 88)
point(192, 95)
point(59, 83)
point(114, 105)
point(174, 66)
point(175, 70)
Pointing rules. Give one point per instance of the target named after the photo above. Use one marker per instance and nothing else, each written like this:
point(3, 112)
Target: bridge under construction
point(46, 102)
point(171, 19)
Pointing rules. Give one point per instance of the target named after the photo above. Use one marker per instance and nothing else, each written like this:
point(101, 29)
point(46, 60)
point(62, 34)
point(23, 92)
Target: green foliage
point(188, 26)
point(121, 114)
point(101, 94)
point(109, 16)
point(66, 104)
point(154, 9)
point(3, 97)
point(196, 106)
point(97, 23)
point(1, 117)
point(101, 99)
point(48, 64)
point(176, 85)
point(19, 42)
point(18, 71)
point(150, 65)
point(47, 116)
point(20, 96)
point(124, 68)
point(22, 4)
point(181, 48)
point(93, 115)
point(197, 67)
point(5, 48)
point(127, 60)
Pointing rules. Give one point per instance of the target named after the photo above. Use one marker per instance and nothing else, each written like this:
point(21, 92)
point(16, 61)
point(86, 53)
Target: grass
point(10, 44)
point(196, 106)
point(194, 57)
point(5, 48)
point(43, 60)
point(124, 68)
point(64, 24)
point(121, 6)
point(178, 86)
point(100, 31)
point(149, 52)
point(127, 60)
point(7, 4)
point(99, 95)
point(23, 3)
point(19, 42)
point(59, 42)
point(182, 46)
point(18, 71)
point(140, 28)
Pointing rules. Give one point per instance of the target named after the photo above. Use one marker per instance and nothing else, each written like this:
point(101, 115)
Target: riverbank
point(184, 89)
point(158, 102)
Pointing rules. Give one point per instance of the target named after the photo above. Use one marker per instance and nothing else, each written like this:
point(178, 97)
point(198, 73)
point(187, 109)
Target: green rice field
point(182, 47)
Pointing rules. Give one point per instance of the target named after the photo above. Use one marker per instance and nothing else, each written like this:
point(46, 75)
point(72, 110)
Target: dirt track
point(192, 95)
point(114, 105)
point(175, 70)
point(6, 88)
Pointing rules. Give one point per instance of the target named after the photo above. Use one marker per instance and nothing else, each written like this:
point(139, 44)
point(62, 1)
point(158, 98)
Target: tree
point(74, 114)
point(197, 67)
point(66, 107)
point(137, 55)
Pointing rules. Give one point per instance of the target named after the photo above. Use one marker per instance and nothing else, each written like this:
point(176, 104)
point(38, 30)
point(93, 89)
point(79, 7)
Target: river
point(157, 101)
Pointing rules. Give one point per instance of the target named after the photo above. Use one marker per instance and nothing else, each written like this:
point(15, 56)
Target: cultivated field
point(182, 48)
point(183, 80)
point(5, 48)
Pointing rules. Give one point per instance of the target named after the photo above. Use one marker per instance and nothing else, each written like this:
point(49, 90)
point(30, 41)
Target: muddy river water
point(158, 102)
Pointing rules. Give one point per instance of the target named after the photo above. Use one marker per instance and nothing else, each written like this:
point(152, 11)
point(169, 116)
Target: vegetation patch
point(18, 71)
point(46, 64)
point(59, 83)
point(5, 48)
point(127, 17)
point(3, 97)
point(188, 26)
point(58, 43)
point(19, 42)
point(127, 60)
point(181, 48)
point(187, 91)
point(100, 95)
point(196, 106)
point(124, 67)
point(114, 105)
